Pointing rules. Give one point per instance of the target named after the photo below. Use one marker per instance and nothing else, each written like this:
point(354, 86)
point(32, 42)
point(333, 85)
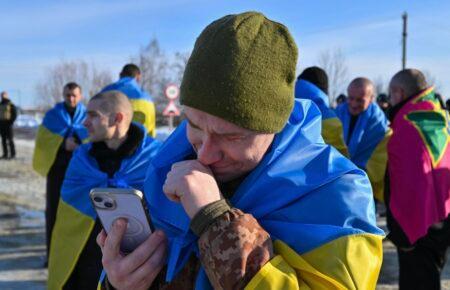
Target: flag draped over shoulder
point(76, 216)
point(143, 106)
point(332, 132)
point(56, 126)
point(367, 145)
point(419, 165)
point(304, 193)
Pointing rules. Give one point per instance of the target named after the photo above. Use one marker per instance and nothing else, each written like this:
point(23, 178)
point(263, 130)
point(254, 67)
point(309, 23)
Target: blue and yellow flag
point(76, 216)
point(143, 106)
point(367, 145)
point(332, 132)
point(316, 205)
point(57, 126)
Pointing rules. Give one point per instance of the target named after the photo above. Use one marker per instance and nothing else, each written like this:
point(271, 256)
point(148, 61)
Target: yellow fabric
point(376, 167)
point(45, 150)
point(70, 235)
point(333, 134)
point(144, 113)
point(350, 262)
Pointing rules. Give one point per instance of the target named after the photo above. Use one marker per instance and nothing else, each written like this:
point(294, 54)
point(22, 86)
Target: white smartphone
point(113, 203)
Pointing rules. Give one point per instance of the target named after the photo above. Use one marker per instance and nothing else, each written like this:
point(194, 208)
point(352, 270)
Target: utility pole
point(404, 35)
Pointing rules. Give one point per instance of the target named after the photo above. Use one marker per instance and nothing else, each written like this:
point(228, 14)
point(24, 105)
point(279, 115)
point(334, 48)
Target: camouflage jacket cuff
point(207, 215)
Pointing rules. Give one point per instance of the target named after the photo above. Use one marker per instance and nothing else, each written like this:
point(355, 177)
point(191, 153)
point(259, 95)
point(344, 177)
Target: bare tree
point(179, 64)
point(154, 66)
point(158, 70)
point(334, 63)
point(91, 80)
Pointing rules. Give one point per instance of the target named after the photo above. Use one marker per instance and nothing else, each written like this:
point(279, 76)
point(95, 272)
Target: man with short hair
point(143, 106)
point(418, 196)
point(312, 84)
point(8, 114)
point(117, 155)
point(60, 133)
point(245, 194)
point(366, 132)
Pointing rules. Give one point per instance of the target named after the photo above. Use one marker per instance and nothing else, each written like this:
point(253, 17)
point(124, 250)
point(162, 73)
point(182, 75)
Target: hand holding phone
point(138, 269)
point(115, 203)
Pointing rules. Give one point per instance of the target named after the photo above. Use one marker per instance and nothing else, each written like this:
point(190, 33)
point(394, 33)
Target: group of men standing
point(106, 139)
point(245, 193)
point(406, 157)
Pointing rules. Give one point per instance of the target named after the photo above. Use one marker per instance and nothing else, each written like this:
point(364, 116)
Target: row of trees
point(157, 67)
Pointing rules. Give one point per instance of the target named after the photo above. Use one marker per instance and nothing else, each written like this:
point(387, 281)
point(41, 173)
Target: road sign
point(172, 92)
point(171, 110)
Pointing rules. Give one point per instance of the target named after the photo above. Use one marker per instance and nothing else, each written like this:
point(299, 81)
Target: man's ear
point(118, 118)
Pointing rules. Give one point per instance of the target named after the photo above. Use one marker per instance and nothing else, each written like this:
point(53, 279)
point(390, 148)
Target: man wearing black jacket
point(8, 114)
point(116, 146)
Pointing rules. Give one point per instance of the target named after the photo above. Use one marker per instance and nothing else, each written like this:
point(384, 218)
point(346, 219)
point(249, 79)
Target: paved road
point(22, 249)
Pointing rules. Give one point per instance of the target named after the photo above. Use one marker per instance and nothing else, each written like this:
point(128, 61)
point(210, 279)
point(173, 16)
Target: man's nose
point(209, 152)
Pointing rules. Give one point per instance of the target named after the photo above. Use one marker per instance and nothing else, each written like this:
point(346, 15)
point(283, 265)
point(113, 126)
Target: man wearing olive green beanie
point(245, 193)
point(242, 70)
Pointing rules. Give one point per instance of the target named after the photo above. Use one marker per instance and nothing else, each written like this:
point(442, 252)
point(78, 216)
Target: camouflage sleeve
point(233, 248)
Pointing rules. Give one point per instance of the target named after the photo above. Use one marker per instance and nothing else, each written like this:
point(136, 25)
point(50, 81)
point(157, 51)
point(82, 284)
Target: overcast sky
point(38, 34)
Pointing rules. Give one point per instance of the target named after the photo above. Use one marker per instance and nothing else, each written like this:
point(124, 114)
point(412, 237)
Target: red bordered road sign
point(171, 110)
point(172, 92)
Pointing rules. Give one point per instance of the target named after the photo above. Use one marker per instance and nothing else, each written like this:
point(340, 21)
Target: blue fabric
point(369, 130)
point(130, 88)
point(58, 121)
point(303, 192)
point(308, 91)
point(83, 174)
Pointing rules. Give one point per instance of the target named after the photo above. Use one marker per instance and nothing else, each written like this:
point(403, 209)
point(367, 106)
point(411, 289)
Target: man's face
point(72, 97)
point(101, 126)
point(229, 150)
point(397, 95)
point(359, 99)
point(4, 95)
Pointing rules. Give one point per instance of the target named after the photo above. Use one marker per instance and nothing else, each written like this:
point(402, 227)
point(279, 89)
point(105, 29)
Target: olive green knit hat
point(242, 69)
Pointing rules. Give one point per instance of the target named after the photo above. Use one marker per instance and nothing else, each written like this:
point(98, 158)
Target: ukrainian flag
point(367, 145)
point(332, 132)
point(317, 206)
point(76, 216)
point(56, 126)
point(143, 106)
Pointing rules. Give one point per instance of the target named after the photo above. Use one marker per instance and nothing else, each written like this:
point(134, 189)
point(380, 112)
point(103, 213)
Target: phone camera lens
point(108, 204)
point(98, 199)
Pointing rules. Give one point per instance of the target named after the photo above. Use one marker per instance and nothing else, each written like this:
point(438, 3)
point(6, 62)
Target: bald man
point(418, 196)
point(117, 156)
point(366, 132)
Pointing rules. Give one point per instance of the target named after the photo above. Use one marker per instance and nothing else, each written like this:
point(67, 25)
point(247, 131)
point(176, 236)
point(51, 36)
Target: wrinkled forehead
point(212, 124)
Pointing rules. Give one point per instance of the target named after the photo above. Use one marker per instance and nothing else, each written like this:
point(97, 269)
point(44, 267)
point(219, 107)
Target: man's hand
point(138, 269)
point(192, 184)
point(71, 144)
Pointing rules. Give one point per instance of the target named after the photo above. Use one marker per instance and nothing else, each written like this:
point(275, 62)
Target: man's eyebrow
point(193, 125)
